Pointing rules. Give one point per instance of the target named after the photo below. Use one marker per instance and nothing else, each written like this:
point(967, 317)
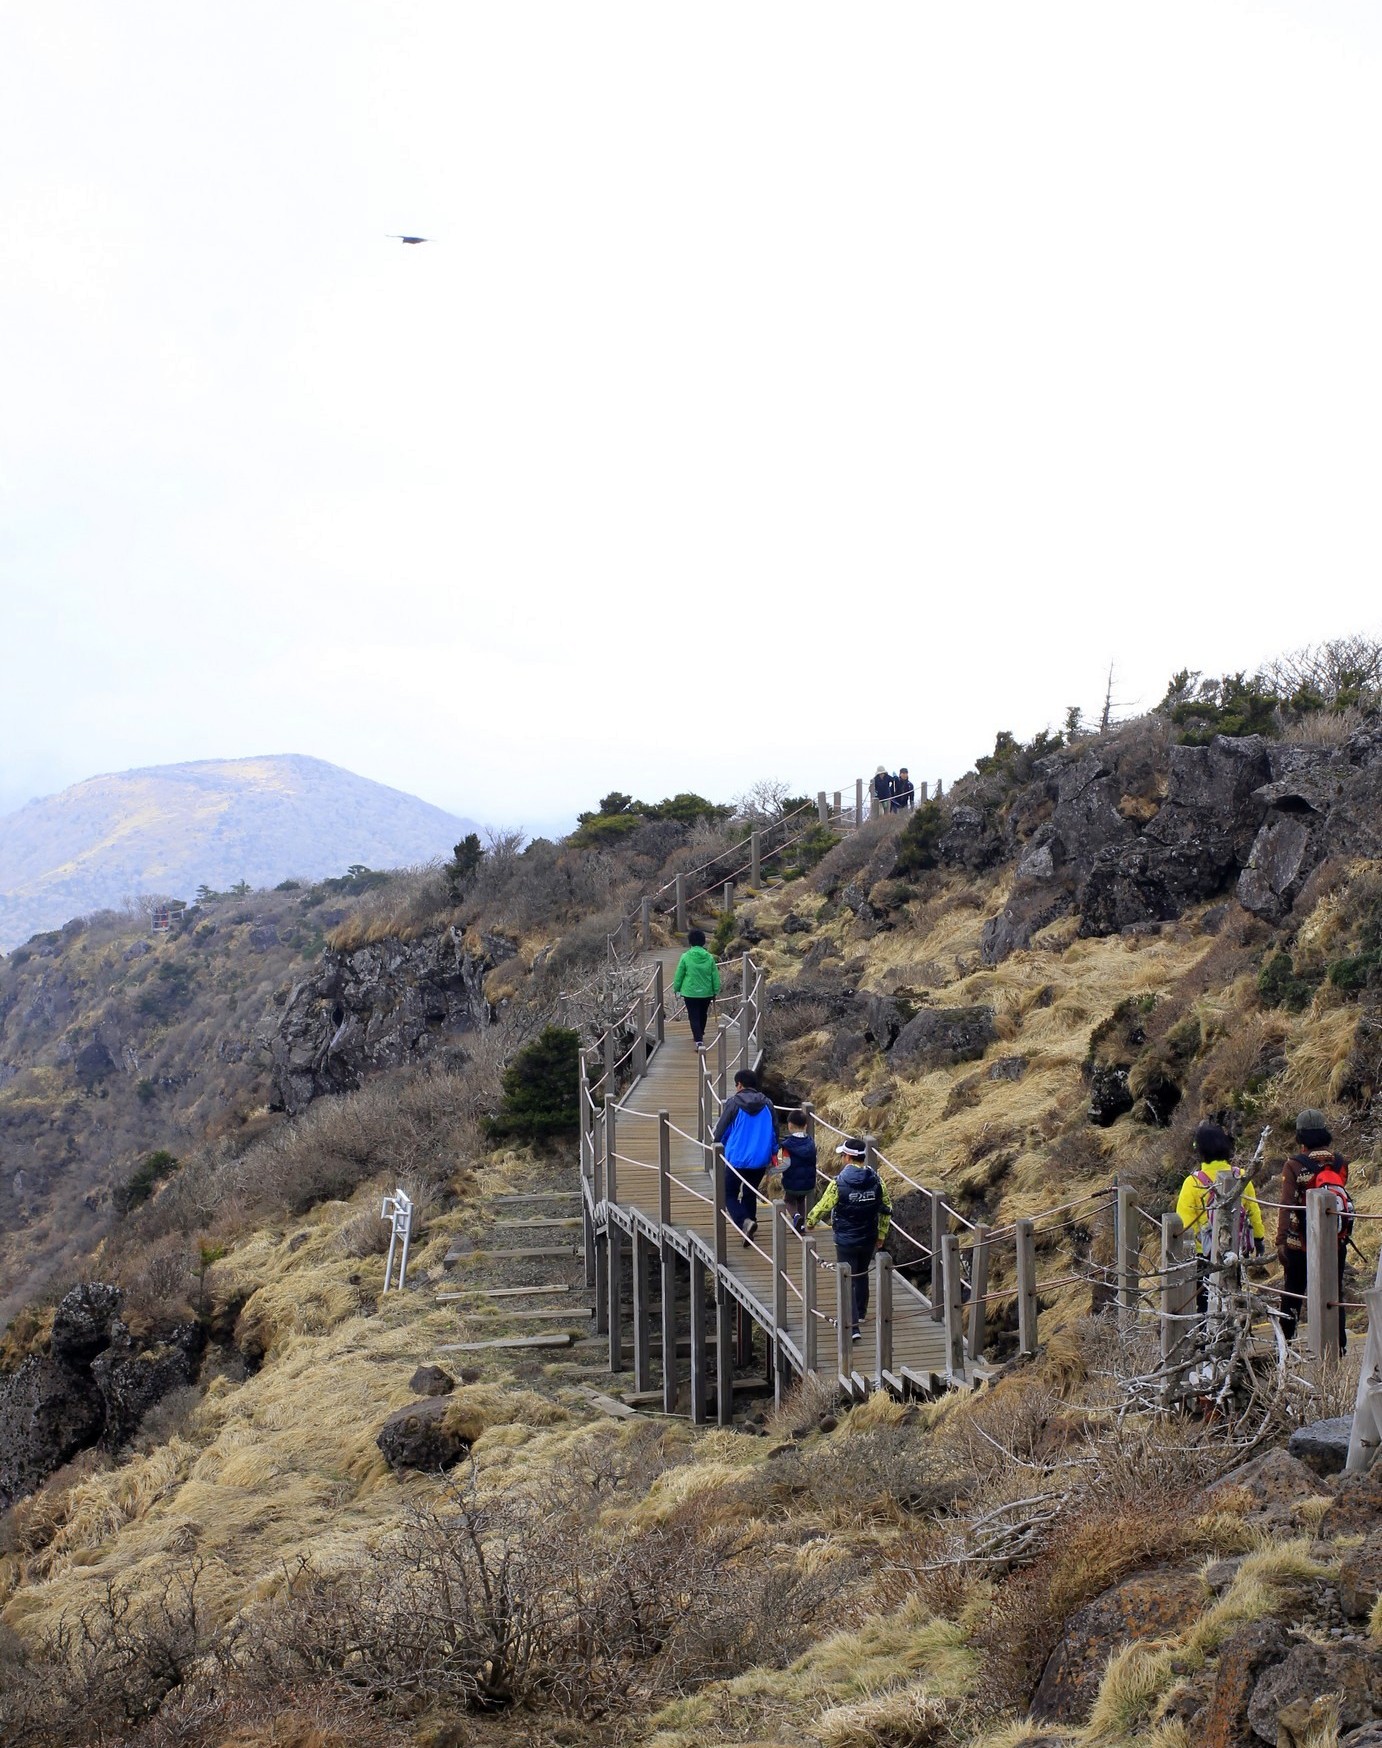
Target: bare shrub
point(861, 858)
point(795, 1019)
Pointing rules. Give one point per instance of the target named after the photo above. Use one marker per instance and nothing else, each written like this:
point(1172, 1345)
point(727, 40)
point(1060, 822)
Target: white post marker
point(398, 1208)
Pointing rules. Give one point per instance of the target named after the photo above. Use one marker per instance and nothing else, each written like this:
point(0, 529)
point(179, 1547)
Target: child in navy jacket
point(797, 1159)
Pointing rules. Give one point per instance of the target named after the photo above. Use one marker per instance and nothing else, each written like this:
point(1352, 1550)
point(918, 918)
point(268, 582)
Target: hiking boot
point(750, 1229)
point(854, 1334)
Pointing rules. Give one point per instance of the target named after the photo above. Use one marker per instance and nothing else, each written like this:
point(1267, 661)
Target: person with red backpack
point(1313, 1166)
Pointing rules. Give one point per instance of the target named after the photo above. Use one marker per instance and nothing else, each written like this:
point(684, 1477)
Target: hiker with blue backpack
point(747, 1130)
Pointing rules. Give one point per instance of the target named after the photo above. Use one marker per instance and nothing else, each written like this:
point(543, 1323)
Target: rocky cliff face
point(94, 1385)
point(379, 1006)
point(1132, 831)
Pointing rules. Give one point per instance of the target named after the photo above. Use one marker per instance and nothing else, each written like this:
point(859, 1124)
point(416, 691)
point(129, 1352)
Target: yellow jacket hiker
point(1201, 1188)
point(860, 1213)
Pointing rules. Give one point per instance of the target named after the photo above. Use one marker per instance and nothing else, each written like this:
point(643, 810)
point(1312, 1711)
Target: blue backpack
point(751, 1139)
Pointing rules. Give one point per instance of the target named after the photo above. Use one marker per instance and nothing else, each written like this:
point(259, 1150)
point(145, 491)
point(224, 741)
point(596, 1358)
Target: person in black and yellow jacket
point(860, 1213)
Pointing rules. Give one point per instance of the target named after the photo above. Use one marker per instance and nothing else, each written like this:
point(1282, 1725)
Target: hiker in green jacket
point(697, 982)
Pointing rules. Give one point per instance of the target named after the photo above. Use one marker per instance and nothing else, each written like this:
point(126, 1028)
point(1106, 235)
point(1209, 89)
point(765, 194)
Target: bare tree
point(1334, 675)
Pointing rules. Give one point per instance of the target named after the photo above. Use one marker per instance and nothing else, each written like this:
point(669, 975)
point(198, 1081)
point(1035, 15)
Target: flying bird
point(403, 239)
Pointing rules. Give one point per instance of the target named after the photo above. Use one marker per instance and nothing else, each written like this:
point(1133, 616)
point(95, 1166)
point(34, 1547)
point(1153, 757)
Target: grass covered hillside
point(245, 1566)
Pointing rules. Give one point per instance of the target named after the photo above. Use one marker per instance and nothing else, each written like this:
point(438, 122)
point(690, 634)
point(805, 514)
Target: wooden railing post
point(1177, 1285)
point(838, 811)
point(640, 1038)
point(609, 1043)
point(822, 810)
point(1127, 1263)
point(614, 1244)
point(602, 1282)
point(728, 905)
point(779, 1301)
point(875, 802)
point(664, 1168)
point(642, 1312)
point(671, 1379)
point(720, 1238)
point(978, 1291)
point(938, 1225)
point(702, 1106)
point(1026, 1289)
point(660, 1005)
point(858, 801)
point(809, 1320)
point(810, 1111)
point(1322, 1273)
point(722, 1065)
point(645, 918)
point(682, 924)
point(724, 1354)
point(844, 1323)
point(952, 1298)
point(1366, 1436)
point(883, 1319)
point(755, 858)
point(597, 1144)
point(699, 1344)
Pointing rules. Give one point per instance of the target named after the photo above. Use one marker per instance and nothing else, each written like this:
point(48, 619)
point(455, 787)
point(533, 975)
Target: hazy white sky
point(787, 387)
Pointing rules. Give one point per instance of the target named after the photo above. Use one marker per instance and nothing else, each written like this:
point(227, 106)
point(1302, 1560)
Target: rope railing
point(959, 1266)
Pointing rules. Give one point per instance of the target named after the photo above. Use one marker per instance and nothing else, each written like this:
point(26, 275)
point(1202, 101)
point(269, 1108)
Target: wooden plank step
point(569, 1314)
point(609, 1405)
point(567, 1250)
point(536, 1196)
point(502, 1292)
point(566, 1339)
point(566, 1220)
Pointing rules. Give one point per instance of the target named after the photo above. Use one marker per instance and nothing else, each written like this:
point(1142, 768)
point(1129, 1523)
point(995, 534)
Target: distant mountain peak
point(172, 828)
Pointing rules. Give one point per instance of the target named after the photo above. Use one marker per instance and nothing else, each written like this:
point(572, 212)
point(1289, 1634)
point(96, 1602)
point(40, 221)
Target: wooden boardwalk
point(651, 1200)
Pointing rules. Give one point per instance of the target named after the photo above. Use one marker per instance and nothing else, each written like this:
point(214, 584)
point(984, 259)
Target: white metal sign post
point(399, 1209)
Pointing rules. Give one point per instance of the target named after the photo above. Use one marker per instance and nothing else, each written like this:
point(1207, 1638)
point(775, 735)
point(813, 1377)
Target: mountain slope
point(171, 828)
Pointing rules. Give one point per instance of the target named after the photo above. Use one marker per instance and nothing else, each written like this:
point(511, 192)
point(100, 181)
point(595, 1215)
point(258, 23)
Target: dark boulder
point(941, 1037)
point(82, 1322)
point(1323, 1445)
point(1253, 1648)
point(431, 1381)
point(1357, 1507)
point(1308, 1673)
point(48, 1412)
point(92, 1063)
point(1360, 1577)
point(1151, 1605)
point(132, 1379)
point(1109, 1094)
point(426, 1435)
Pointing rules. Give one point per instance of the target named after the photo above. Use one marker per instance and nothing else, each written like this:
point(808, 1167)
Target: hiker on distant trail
point(1314, 1166)
point(797, 1159)
point(747, 1130)
point(1202, 1189)
point(883, 788)
point(697, 982)
point(904, 792)
point(860, 1213)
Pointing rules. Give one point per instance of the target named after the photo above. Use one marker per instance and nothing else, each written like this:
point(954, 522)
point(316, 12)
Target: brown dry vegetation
point(252, 1574)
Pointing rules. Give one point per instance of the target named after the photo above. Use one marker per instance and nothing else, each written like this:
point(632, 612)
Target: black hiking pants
point(697, 1007)
point(1296, 1272)
point(857, 1258)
